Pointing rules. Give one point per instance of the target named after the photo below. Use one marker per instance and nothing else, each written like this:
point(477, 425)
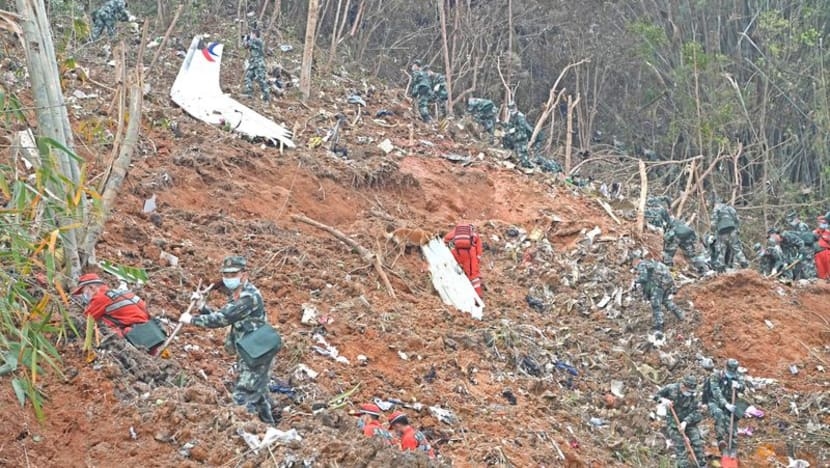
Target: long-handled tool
point(193, 302)
point(685, 439)
point(728, 459)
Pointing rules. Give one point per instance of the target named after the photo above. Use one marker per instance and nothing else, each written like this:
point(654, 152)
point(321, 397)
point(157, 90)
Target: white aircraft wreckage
point(449, 280)
point(197, 91)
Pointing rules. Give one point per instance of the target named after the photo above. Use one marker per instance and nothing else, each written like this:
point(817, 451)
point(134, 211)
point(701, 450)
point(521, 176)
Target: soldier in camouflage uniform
point(683, 399)
point(808, 252)
point(657, 211)
point(793, 248)
point(717, 395)
point(438, 83)
point(770, 259)
point(680, 234)
point(421, 90)
point(725, 226)
point(106, 16)
point(244, 313)
point(517, 134)
point(255, 72)
point(484, 112)
point(658, 286)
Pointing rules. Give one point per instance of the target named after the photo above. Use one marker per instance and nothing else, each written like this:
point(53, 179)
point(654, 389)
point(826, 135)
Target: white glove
point(683, 426)
point(666, 402)
point(185, 318)
point(196, 296)
point(512, 130)
point(730, 407)
point(736, 385)
point(131, 19)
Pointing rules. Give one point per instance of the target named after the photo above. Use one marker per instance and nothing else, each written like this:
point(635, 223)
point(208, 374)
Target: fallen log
point(365, 253)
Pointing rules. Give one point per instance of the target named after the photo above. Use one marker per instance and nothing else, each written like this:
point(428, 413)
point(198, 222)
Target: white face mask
point(823, 225)
point(86, 297)
point(232, 283)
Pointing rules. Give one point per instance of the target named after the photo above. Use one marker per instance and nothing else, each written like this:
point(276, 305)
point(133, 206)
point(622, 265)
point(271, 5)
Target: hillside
point(217, 194)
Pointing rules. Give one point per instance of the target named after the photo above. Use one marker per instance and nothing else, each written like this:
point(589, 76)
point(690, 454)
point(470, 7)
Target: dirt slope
point(218, 194)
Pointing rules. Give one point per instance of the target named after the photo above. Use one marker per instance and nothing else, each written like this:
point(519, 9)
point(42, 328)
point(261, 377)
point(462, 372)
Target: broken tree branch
point(365, 253)
point(641, 207)
point(607, 209)
point(553, 99)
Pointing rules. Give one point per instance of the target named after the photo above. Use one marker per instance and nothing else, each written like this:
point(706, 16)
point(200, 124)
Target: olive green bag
point(146, 335)
point(257, 347)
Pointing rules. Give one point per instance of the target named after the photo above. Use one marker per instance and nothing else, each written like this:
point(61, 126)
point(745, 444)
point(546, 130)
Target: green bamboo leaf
point(19, 391)
point(124, 273)
point(44, 144)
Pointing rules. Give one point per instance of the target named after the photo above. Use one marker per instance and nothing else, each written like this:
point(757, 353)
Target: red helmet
point(86, 280)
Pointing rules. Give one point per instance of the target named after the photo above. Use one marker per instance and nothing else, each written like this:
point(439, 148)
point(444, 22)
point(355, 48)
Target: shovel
point(729, 460)
point(686, 439)
point(179, 326)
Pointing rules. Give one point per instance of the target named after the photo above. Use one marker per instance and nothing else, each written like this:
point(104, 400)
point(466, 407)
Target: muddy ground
point(523, 384)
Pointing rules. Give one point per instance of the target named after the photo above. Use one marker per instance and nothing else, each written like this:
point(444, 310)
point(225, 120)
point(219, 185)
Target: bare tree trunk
point(507, 96)
point(117, 171)
point(276, 14)
point(52, 116)
point(161, 13)
point(358, 18)
point(641, 206)
point(308, 50)
point(447, 62)
point(166, 36)
point(569, 136)
point(337, 31)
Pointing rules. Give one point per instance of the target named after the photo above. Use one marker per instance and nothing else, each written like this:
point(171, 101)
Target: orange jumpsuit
point(468, 257)
point(118, 309)
point(412, 440)
point(823, 255)
point(375, 428)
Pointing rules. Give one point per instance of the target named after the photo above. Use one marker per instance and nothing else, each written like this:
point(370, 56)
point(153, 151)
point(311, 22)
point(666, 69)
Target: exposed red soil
point(219, 195)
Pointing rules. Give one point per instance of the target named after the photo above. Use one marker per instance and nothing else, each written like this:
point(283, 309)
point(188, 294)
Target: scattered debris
point(445, 416)
point(302, 370)
point(309, 314)
point(386, 145)
point(326, 349)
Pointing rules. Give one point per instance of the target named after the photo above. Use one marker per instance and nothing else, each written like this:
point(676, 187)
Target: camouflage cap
point(791, 215)
point(690, 382)
point(416, 62)
point(511, 105)
point(234, 264)
point(732, 367)
point(772, 230)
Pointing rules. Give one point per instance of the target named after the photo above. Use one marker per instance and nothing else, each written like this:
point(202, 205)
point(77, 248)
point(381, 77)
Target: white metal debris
point(449, 280)
point(197, 91)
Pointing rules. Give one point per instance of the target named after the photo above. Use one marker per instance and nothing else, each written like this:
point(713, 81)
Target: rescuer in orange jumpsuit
point(411, 439)
point(823, 253)
point(465, 245)
point(118, 309)
point(370, 424)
